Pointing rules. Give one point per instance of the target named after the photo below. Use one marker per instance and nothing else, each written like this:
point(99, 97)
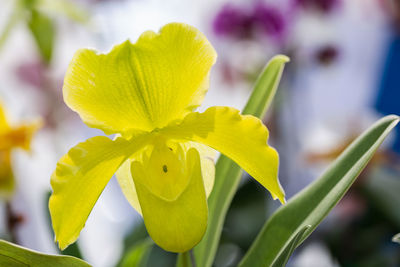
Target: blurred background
point(344, 74)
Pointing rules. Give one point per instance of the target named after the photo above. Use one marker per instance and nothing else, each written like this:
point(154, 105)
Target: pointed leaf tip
point(282, 58)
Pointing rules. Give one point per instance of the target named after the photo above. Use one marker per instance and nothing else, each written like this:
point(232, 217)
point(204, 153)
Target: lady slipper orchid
point(163, 152)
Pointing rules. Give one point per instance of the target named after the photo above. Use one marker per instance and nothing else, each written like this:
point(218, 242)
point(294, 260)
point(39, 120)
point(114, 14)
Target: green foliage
point(37, 14)
point(265, 87)
point(228, 173)
point(246, 215)
point(382, 186)
point(138, 254)
point(137, 244)
point(42, 29)
point(65, 8)
point(296, 220)
point(16, 256)
point(312, 204)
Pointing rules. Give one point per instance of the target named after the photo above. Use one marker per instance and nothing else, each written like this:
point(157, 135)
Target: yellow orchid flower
point(146, 93)
point(10, 138)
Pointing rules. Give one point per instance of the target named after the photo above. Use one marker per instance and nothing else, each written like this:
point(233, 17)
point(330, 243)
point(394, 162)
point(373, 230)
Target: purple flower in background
point(269, 19)
point(246, 23)
point(230, 21)
point(325, 6)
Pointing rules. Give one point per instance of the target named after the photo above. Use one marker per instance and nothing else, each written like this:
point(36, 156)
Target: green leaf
point(265, 87)
point(313, 204)
point(228, 173)
point(64, 7)
point(138, 254)
point(16, 256)
point(292, 245)
point(43, 31)
point(28, 4)
point(12, 21)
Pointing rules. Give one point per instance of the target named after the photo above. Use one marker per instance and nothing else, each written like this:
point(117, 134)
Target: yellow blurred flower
point(11, 138)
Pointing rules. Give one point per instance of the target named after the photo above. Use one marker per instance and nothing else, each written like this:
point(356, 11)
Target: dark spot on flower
point(164, 168)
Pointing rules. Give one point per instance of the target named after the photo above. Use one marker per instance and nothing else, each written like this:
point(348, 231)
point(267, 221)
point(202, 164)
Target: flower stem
point(192, 258)
point(188, 259)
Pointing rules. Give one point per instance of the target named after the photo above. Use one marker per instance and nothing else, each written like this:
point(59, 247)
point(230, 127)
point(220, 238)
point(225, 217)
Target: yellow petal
point(79, 179)
point(141, 86)
point(127, 185)
point(243, 138)
point(207, 157)
point(176, 222)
